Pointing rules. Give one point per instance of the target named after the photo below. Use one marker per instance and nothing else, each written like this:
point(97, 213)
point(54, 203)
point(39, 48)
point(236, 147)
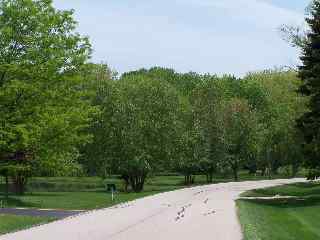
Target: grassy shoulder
point(282, 219)
point(10, 223)
point(306, 189)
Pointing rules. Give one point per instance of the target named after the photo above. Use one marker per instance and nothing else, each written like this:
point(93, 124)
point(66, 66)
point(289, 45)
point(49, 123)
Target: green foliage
point(239, 132)
point(161, 120)
point(138, 131)
point(43, 110)
point(309, 123)
point(277, 105)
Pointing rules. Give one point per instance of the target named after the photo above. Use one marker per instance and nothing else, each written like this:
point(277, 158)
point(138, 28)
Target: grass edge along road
point(280, 218)
point(11, 223)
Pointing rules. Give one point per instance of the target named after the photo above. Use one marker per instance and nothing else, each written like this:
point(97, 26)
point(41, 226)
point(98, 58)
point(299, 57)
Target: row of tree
point(159, 120)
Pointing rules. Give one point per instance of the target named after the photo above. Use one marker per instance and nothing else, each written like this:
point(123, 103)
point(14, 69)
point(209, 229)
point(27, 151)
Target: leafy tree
point(239, 133)
point(190, 148)
point(206, 103)
point(273, 96)
point(99, 82)
point(43, 108)
point(141, 122)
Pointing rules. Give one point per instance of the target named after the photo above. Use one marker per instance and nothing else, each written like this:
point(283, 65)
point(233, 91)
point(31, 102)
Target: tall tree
point(239, 133)
point(43, 107)
point(309, 73)
point(140, 124)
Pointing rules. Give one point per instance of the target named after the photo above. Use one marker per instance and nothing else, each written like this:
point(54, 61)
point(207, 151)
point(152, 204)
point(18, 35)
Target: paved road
point(39, 213)
point(206, 212)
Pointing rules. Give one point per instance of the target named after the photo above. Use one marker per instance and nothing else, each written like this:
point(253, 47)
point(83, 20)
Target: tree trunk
point(188, 180)
point(234, 167)
point(7, 187)
point(253, 169)
point(209, 177)
point(126, 182)
point(137, 183)
point(295, 170)
point(19, 183)
point(235, 175)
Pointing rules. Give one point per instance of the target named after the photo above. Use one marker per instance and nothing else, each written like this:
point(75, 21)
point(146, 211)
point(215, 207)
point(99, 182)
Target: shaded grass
point(155, 183)
point(282, 219)
point(9, 223)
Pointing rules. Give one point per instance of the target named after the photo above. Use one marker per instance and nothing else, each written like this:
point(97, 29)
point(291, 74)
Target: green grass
point(296, 189)
point(89, 192)
point(72, 200)
point(156, 183)
point(10, 223)
point(282, 219)
point(85, 198)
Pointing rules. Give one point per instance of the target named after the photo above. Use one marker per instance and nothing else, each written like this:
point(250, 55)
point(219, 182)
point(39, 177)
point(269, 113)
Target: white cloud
point(216, 36)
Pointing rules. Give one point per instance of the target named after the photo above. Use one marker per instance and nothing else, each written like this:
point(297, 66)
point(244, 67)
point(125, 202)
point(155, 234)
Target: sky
point(206, 36)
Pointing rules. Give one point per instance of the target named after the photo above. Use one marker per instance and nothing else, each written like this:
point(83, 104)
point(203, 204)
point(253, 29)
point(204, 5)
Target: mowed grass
point(72, 200)
point(306, 189)
point(282, 219)
point(85, 193)
point(10, 223)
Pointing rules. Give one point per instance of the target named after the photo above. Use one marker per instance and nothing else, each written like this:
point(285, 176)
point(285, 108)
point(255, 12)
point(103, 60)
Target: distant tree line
point(159, 120)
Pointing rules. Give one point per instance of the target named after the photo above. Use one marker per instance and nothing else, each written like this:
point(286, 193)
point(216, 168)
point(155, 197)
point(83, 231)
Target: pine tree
point(309, 73)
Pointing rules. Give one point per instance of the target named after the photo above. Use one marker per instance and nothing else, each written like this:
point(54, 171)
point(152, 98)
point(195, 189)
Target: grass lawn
point(72, 200)
point(282, 219)
point(84, 193)
point(297, 189)
point(10, 223)
point(89, 192)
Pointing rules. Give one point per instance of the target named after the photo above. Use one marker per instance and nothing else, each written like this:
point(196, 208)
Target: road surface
point(205, 212)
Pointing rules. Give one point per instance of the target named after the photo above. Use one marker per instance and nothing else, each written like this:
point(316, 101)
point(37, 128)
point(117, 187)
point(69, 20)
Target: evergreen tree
point(309, 73)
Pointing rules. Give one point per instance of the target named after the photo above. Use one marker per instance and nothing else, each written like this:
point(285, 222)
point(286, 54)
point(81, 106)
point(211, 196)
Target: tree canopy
point(43, 110)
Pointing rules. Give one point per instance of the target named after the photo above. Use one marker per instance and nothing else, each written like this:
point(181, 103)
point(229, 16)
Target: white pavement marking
point(194, 213)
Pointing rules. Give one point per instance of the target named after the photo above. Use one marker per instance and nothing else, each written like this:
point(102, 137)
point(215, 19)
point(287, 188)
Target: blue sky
point(208, 36)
